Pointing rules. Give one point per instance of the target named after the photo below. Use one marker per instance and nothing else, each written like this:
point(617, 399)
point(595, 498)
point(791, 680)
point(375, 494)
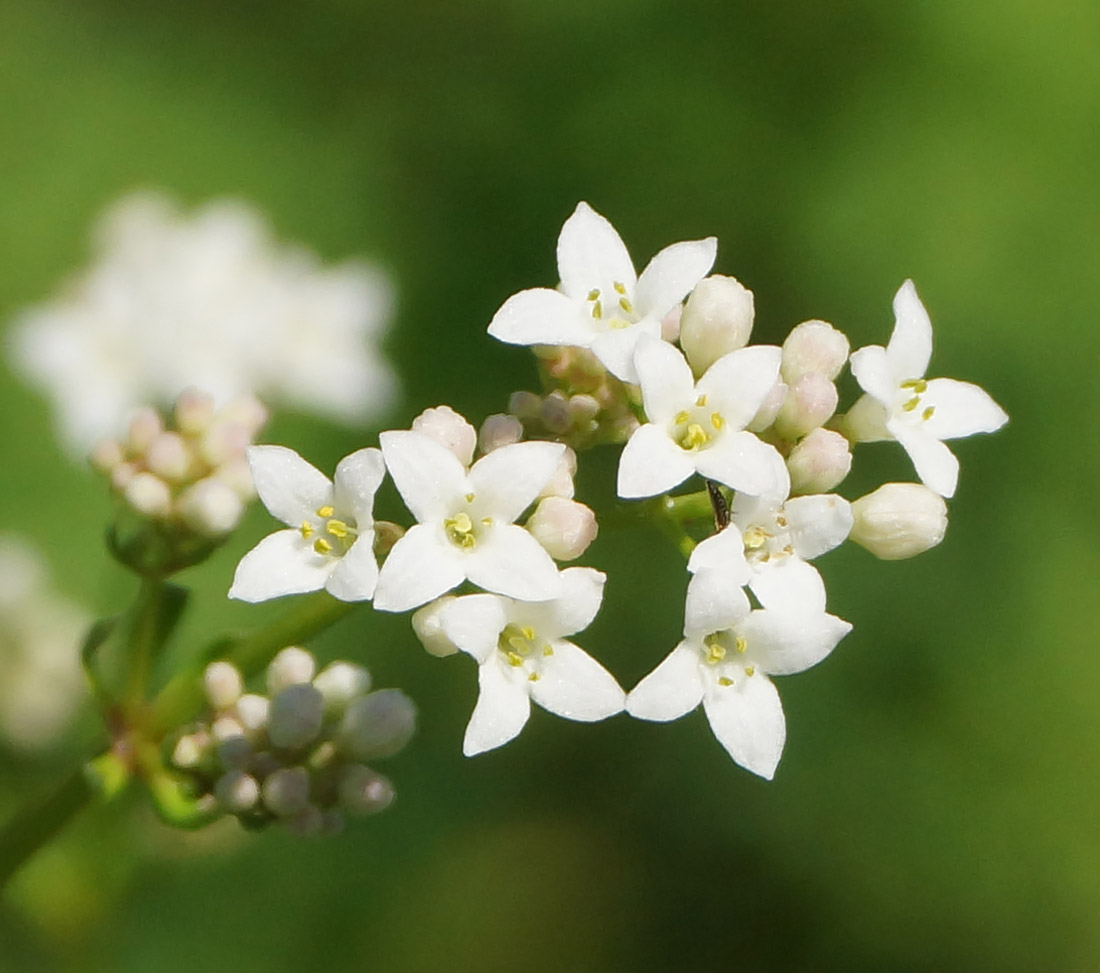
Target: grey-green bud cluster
point(295, 755)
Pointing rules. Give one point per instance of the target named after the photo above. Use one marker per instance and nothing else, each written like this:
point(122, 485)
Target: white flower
point(724, 661)
point(700, 427)
point(523, 654)
point(466, 526)
point(330, 536)
point(901, 404)
point(601, 304)
point(209, 299)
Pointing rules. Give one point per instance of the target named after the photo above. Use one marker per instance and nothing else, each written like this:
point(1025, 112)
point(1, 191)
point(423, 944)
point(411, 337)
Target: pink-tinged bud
point(561, 483)
point(525, 406)
point(813, 346)
point(222, 683)
point(105, 456)
point(563, 527)
point(425, 623)
point(362, 791)
point(377, 725)
point(769, 409)
point(224, 441)
point(291, 666)
point(499, 430)
point(168, 456)
point(670, 324)
point(211, 507)
point(194, 410)
point(809, 404)
point(449, 429)
point(237, 475)
point(145, 426)
point(247, 411)
point(148, 495)
point(819, 462)
point(121, 476)
point(899, 520)
point(236, 791)
point(555, 414)
point(717, 319)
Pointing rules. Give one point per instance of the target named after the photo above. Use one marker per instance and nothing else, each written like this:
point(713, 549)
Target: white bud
point(190, 750)
point(247, 411)
point(121, 476)
point(236, 791)
point(809, 404)
point(563, 527)
point(899, 520)
point(105, 456)
point(223, 441)
point(813, 346)
point(252, 710)
point(148, 495)
point(525, 405)
point(286, 791)
point(499, 430)
point(225, 727)
point(865, 422)
point(561, 483)
point(295, 716)
point(362, 791)
point(194, 410)
point(773, 402)
point(555, 413)
point(584, 408)
point(145, 426)
point(717, 319)
point(425, 623)
point(449, 429)
point(237, 475)
point(292, 665)
point(819, 462)
point(340, 683)
point(377, 725)
point(670, 324)
point(168, 456)
point(222, 683)
point(211, 507)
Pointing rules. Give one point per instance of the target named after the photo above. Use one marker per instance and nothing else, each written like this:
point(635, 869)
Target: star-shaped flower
point(726, 657)
point(919, 413)
point(700, 427)
point(466, 526)
point(523, 655)
point(602, 304)
point(329, 542)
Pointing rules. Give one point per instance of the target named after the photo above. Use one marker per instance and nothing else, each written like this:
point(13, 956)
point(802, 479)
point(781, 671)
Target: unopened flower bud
point(145, 426)
point(377, 725)
point(295, 716)
point(234, 753)
point(808, 405)
point(449, 429)
point(563, 527)
point(499, 430)
point(236, 791)
point(237, 475)
point(717, 319)
point(340, 682)
point(813, 346)
point(307, 823)
point(425, 623)
point(899, 520)
point(211, 507)
point(190, 750)
point(252, 710)
point(292, 665)
point(247, 411)
point(767, 412)
point(561, 483)
point(819, 462)
point(362, 791)
point(148, 495)
point(105, 456)
point(584, 408)
point(225, 727)
point(670, 324)
point(168, 456)
point(222, 683)
point(332, 822)
point(224, 441)
point(386, 534)
point(555, 414)
point(194, 410)
point(525, 406)
point(286, 791)
point(121, 476)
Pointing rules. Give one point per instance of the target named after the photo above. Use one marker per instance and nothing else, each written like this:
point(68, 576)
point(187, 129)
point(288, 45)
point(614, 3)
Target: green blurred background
point(936, 808)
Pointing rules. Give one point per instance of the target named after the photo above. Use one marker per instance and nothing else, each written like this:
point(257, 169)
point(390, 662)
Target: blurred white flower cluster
point(208, 299)
point(40, 632)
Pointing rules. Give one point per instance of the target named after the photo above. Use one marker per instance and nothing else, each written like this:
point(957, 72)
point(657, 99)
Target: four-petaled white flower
point(901, 404)
point(329, 542)
point(601, 304)
point(728, 652)
point(700, 427)
point(466, 526)
point(523, 655)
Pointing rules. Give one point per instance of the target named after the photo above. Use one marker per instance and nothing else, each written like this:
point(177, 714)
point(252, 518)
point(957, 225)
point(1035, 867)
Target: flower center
point(912, 390)
point(768, 539)
point(725, 653)
point(694, 428)
point(523, 649)
point(332, 537)
point(462, 530)
point(613, 311)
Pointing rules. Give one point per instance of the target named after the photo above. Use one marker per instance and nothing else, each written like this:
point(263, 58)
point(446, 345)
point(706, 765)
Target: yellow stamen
point(755, 537)
point(620, 287)
point(325, 511)
point(548, 650)
point(306, 529)
point(514, 659)
point(460, 529)
point(527, 632)
point(337, 528)
point(716, 652)
point(321, 546)
point(928, 413)
point(701, 401)
point(597, 310)
point(520, 646)
point(534, 677)
point(593, 294)
point(912, 403)
point(716, 420)
point(918, 385)
point(750, 670)
point(681, 417)
point(725, 681)
point(741, 644)
point(470, 497)
point(695, 437)
point(626, 305)
point(487, 521)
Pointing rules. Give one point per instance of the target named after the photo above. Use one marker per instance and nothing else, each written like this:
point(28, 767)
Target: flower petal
point(910, 346)
point(935, 464)
point(289, 487)
point(506, 481)
point(582, 594)
point(591, 255)
point(962, 409)
point(574, 685)
point(714, 603)
point(818, 523)
point(421, 566)
point(357, 480)
point(874, 373)
point(783, 643)
point(672, 273)
point(356, 573)
point(651, 463)
point(283, 563)
point(741, 461)
point(429, 477)
point(615, 348)
point(509, 561)
point(788, 584)
point(747, 718)
point(502, 709)
point(674, 688)
point(723, 552)
point(665, 376)
point(474, 623)
point(541, 316)
point(738, 383)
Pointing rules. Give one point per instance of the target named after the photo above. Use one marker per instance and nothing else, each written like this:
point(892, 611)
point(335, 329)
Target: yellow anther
point(912, 403)
point(755, 537)
point(486, 521)
point(928, 413)
point(325, 511)
point(593, 294)
point(597, 310)
point(548, 650)
point(918, 385)
point(716, 652)
point(527, 632)
point(725, 681)
point(306, 529)
point(780, 521)
point(750, 670)
point(681, 417)
point(534, 677)
point(716, 420)
point(789, 549)
point(337, 528)
point(620, 287)
point(321, 546)
point(701, 401)
point(470, 497)
point(694, 437)
point(626, 305)
point(460, 529)
point(741, 644)
point(514, 659)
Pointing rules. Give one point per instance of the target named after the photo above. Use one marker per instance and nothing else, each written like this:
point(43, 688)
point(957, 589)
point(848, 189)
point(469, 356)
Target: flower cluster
point(661, 362)
point(295, 755)
point(208, 299)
